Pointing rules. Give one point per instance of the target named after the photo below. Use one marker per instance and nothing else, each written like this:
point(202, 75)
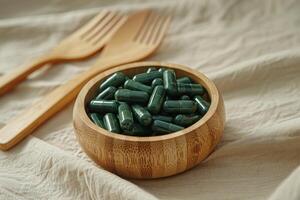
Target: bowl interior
point(90, 89)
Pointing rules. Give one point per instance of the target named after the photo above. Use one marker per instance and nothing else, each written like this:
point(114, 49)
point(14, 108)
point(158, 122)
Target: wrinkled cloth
point(250, 49)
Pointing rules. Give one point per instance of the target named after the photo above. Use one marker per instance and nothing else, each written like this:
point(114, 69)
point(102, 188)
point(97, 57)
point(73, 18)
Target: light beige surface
point(251, 49)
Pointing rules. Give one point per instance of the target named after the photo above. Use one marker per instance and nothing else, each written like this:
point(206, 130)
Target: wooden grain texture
point(80, 45)
point(150, 157)
point(130, 43)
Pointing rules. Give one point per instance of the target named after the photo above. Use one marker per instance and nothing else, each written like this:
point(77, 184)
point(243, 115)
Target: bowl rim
point(79, 106)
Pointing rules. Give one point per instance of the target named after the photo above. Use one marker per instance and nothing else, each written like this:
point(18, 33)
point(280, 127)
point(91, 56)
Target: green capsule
point(161, 69)
point(156, 82)
point(170, 84)
point(103, 106)
point(115, 80)
point(133, 85)
point(165, 127)
point(97, 119)
point(184, 79)
point(162, 118)
point(157, 130)
point(142, 115)
point(184, 97)
point(184, 120)
point(190, 89)
point(125, 116)
point(139, 130)
point(156, 100)
point(131, 96)
point(203, 105)
point(180, 106)
point(147, 78)
point(107, 94)
point(111, 123)
point(151, 69)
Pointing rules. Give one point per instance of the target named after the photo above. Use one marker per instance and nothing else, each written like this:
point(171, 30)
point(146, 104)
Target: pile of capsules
point(149, 104)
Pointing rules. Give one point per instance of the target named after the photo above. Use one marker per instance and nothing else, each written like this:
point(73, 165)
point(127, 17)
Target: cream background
point(251, 49)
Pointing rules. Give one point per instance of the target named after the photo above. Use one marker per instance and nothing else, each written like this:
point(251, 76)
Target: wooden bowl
point(155, 156)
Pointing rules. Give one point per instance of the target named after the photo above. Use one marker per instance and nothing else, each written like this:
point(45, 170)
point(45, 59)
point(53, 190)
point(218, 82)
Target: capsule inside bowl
point(138, 98)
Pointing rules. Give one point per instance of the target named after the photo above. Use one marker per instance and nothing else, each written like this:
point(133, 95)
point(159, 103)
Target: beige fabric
point(251, 49)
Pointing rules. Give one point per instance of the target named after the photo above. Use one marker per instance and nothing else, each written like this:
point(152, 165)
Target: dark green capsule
point(142, 115)
point(156, 82)
point(147, 78)
point(184, 120)
point(125, 116)
point(156, 100)
point(139, 130)
point(131, 96)
point(180, 106)
point(97, 119)
point(159, 131)
point(133, 85)
point(170, 84)
point(203, 105)
point(166, 127)
point(190, 89)
point(107, 94)
point(162, 118)
point(115, 80)
point(111, 123)
point(151, 69)
point(184, 97)
point(161, 69)
point(184, 79)
point(103, 106)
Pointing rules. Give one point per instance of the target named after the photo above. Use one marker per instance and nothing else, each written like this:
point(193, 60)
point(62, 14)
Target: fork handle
point(11, 80)
point(18, 128)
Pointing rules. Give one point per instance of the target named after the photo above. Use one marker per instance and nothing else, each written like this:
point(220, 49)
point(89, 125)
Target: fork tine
point(153, 29)
point(157, 37)
point(91, 24)
point(152, 25)
point(143, 28)
point(116, 22)
point(99, 26)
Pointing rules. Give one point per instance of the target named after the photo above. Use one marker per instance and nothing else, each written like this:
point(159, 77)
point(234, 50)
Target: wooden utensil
point(155, 156)
point(83, 43)
point(137, 38)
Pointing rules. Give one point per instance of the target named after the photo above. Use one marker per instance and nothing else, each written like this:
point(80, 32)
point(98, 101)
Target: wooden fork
point(83, 43)
point(138, 37)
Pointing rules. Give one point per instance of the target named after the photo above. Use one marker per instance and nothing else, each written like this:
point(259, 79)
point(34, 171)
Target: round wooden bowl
point(155, 156)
